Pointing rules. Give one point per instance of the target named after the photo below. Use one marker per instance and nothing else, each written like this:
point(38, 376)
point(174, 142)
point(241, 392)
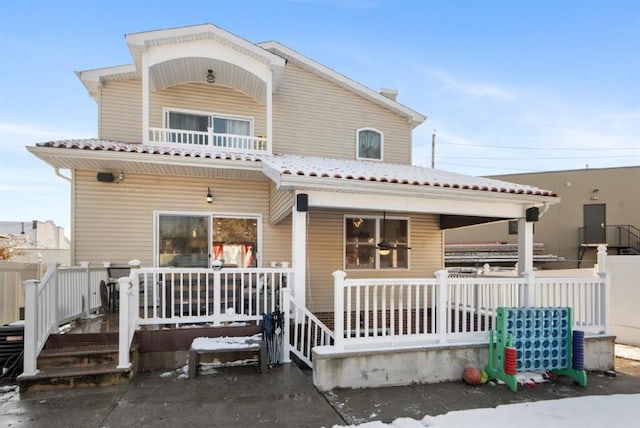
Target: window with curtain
point(196, 240)
point(369, 144)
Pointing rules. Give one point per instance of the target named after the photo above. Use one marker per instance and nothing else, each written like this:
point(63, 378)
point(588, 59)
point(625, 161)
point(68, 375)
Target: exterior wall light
point(211, 78)
point(209, 195)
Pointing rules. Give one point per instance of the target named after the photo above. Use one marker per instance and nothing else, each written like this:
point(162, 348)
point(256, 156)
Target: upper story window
point(200, 122)
point(369, 144)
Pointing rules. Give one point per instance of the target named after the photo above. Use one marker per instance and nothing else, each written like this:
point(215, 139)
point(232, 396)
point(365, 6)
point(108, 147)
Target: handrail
point(233, 142)
point(303, 330)
point(616, 235)
point(63, 294)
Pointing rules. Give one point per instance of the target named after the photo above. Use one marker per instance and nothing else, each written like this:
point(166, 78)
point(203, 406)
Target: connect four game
point(535, 339)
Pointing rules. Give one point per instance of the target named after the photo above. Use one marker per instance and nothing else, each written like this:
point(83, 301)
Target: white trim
point(358, 157)
point(325, 72)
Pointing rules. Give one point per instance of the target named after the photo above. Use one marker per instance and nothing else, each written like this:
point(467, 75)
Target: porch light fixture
point(211, 78)
point(209, 195)
point(594, 194)
point(121, 176)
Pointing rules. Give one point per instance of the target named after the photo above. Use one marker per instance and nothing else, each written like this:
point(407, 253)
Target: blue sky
point(508, 86)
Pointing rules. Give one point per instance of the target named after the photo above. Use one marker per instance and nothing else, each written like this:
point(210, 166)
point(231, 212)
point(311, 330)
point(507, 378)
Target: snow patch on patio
point(628, 352)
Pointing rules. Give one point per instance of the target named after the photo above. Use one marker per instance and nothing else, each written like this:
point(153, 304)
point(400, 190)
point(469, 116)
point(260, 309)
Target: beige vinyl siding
point(209, 99)
point(317, 118)
point(121, 107)
point(325, 251)
point(120, 111)
point(281, 203)
point(114, 222)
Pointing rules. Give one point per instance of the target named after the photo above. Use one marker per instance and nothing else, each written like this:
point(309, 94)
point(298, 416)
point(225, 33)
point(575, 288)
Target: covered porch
point(384, 332)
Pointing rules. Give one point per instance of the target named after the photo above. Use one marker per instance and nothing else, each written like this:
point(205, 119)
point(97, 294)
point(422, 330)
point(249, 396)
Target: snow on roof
point(317, 167)
point(359, 170)
point(175, 150)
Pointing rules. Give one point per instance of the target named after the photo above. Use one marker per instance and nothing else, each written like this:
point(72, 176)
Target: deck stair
point(75, 360)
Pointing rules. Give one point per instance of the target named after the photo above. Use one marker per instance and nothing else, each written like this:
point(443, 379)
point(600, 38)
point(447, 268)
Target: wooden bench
point(215, 345)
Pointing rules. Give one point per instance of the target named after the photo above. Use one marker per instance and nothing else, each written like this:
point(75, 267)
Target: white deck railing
point(160, 296)
point(303, 330)
point(387, 313)
point(231, 142)
point(62, 295)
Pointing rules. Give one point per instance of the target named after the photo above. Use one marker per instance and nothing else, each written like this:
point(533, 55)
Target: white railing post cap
point(339, 274)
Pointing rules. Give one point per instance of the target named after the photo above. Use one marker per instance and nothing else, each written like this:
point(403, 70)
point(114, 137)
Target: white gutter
point(57, 170)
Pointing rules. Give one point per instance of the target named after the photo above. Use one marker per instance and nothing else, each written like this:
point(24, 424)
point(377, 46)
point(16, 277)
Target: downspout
point(62, 176)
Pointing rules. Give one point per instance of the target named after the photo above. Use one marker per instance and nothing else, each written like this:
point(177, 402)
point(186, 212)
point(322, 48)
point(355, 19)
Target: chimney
point(389, 93)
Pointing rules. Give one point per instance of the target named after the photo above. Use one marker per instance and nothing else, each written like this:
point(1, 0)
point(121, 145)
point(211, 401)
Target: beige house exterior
point(606, 192)
point(298, 153)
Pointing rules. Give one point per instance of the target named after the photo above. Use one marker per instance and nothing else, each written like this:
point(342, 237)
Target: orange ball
point(472, 376)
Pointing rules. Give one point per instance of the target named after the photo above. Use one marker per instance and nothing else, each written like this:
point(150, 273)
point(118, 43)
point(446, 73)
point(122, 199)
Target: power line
point(524, 158)
point(537, 148)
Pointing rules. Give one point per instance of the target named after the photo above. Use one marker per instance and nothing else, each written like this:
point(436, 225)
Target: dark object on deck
point(272, 328)
point(11, 347)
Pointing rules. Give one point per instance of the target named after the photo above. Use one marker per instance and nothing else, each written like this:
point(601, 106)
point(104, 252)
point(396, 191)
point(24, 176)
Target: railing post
point(216, 297)
point(530, 297)
point(85, 299)
point(30, 327)
point(338, 308)
point(285, 296)
point(442, 279)
point(209, 136)
point(54, 291)
point(123, 336)
point(605, 293)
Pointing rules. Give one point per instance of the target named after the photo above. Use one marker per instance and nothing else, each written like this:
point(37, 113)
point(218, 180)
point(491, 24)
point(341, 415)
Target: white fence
point(244, 143)
point(62, 295)
point(382, 313)
point(161, 296)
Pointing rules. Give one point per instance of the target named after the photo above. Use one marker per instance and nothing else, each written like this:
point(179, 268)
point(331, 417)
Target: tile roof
point(346, 169)
point(119, 146)
point(317, 167)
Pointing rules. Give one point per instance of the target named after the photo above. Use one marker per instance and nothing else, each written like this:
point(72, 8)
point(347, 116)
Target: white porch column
point(270, 112)
point(299, 253)
point(145, 98)
point(525, 246)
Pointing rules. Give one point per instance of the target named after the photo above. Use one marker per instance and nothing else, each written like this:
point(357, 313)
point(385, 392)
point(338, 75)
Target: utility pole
point(433, 149)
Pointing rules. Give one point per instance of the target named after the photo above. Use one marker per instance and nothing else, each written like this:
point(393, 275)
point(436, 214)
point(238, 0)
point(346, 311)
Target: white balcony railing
point(229, 142)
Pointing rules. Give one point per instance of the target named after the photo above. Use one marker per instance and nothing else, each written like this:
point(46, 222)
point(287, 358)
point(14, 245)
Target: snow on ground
point(628, 352)
point(591, 411)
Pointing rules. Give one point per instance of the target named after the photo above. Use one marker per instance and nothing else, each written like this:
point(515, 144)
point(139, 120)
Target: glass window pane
point(223, 125)
point(188, 122)
point(396, 233)
point(235, 241)
point(369, 144)
point(183, 241)
point(360, 243)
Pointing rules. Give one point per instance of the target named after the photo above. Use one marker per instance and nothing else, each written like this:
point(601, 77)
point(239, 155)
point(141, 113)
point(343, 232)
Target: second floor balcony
point(214, 140)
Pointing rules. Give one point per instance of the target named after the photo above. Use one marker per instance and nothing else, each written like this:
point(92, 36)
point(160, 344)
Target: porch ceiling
point(194, 69)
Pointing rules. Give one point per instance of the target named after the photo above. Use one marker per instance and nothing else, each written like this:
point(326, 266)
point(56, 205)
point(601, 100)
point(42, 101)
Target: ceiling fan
point(384, 247)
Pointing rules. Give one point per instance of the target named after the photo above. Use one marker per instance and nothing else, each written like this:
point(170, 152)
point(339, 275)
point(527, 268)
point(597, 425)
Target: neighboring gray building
point(597, 206)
